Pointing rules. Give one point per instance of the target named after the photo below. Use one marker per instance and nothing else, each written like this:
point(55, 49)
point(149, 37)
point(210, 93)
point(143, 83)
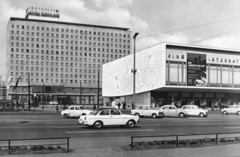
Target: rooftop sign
point(43, 12)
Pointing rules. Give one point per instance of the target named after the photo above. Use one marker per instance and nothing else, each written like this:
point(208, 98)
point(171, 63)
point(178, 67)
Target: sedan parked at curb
point(145, 111)
point(235, 109)
point(75, 111)
point(194, 110)
point(171, 111)
point(108, 117)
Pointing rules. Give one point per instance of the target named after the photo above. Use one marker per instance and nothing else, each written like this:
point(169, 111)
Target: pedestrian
point(119, 105)
point(57, 108)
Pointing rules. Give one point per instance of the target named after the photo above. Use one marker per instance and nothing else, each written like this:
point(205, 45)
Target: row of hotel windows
point(76, 76)
point(217, 75)
point(23, 62)
point(54, 69)
point(66, 58)
point(65, 53)
point(66, 81)
point(71, 31)
point(70, 47)
point(64, 36)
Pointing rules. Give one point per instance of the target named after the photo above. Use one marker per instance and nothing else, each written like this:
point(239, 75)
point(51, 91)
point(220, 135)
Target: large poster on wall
point(196, 69)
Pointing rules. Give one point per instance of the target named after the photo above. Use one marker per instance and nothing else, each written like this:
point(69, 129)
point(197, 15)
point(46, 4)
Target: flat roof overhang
point(199, 89)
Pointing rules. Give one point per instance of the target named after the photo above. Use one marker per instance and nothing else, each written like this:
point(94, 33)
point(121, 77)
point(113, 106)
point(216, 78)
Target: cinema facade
point(175, 74)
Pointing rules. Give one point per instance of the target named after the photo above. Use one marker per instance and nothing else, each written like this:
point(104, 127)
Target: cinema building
point(175, 74)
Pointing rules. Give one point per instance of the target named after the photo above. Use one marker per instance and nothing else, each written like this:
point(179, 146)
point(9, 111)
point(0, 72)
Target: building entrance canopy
point(199, 89)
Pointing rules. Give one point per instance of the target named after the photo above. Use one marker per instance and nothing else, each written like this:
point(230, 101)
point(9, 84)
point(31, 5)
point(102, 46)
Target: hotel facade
point(61, 61)
point(175, 74)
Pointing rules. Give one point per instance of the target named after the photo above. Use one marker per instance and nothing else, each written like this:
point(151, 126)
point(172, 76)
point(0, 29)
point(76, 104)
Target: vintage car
point(235, 109)
point(75, 111)
point(108, 117)
point(145, 111)
point(171, 111)
point(194, 110)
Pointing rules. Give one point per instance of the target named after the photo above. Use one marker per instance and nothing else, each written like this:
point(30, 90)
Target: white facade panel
point(150, 75)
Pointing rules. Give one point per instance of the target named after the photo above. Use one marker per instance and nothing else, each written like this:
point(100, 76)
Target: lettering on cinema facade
point(43, 12)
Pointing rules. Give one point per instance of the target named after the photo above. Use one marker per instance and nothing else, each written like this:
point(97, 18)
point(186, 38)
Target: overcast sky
point(151, 18)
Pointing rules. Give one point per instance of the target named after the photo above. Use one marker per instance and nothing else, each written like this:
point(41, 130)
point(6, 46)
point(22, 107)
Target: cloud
point(222, 42)
point(112, 3)
point(148, 41)
point(230, 42)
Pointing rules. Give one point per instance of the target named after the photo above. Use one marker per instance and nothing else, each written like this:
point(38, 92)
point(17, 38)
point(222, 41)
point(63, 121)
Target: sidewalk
point(115, 148)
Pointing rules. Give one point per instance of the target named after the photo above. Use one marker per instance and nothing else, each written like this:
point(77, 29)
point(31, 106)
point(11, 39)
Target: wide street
point(33, 125)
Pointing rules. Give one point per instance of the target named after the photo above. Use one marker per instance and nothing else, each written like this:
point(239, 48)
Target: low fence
point(10, 141)
point(177, 138)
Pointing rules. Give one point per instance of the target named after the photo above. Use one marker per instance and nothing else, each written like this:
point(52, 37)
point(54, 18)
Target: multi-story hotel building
point(62, 60)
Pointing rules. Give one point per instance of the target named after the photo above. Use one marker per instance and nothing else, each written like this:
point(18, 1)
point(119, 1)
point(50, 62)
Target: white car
point(171, 111)
point(75, 111)
point(145, 111)
point(232, 109)
point(107, 117)
point(194, 110)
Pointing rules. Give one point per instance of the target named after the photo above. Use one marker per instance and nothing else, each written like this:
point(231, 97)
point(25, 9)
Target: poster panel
point(196, 69)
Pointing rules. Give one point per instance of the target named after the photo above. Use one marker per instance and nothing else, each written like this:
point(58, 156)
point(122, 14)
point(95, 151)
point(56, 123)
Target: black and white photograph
point(120, 78)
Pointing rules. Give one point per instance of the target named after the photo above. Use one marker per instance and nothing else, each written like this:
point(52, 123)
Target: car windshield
point(95, 112)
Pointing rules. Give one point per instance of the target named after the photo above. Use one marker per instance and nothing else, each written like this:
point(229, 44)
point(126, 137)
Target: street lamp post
point(134, 68)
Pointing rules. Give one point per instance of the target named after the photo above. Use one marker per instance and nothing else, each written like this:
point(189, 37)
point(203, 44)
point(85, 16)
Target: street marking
point(231, 127)
point(76, 132)
point(204, 120)
point(216, 123)
point(59, 127)
point(58, 123)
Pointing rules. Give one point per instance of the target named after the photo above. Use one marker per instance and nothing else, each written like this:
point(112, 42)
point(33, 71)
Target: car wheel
point(161, 115)
point(238, 113)
point(154, 116)
point(66, 116)
point(181, 115)
point(131, 124)
point(201, 115)
point(98, 125)
point(225, 112)
point(137, 114)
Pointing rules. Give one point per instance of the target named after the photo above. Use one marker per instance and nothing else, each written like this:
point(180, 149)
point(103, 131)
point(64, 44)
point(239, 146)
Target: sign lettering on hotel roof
point(44, 12)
